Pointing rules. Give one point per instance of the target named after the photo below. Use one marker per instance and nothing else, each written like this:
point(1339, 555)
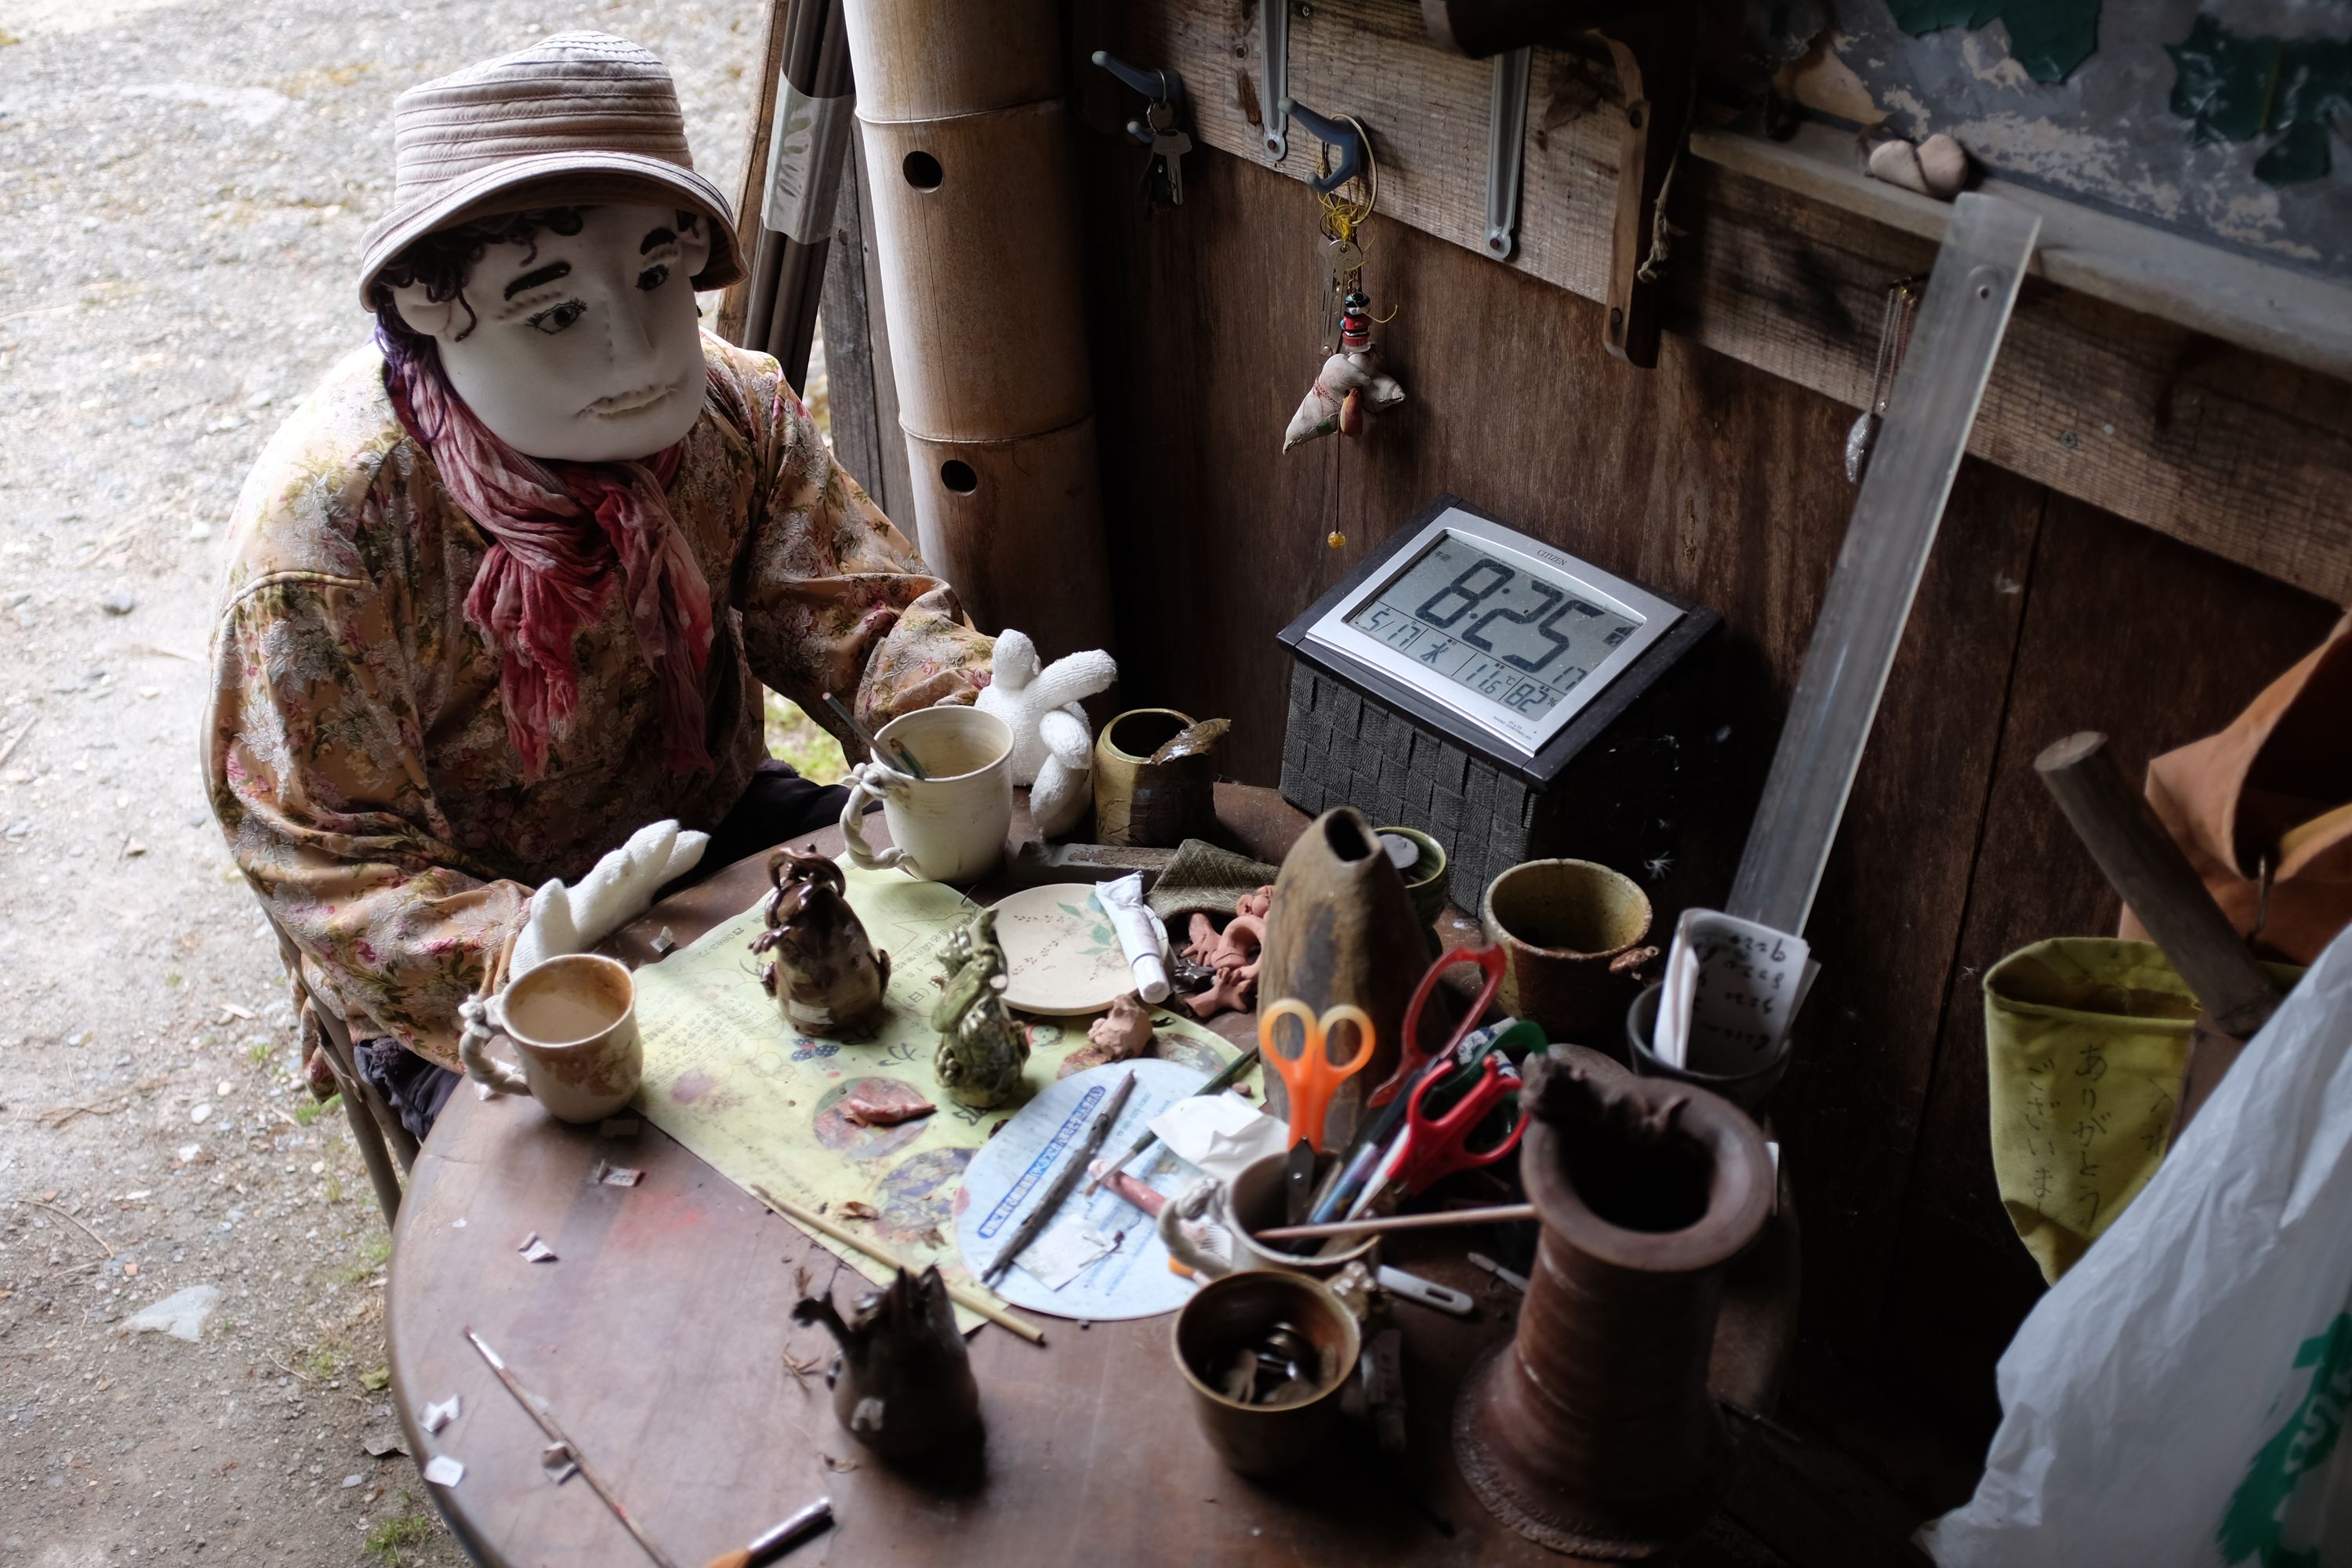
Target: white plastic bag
point(2178, 1396)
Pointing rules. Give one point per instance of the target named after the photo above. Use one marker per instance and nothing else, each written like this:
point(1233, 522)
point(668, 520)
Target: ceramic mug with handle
point(1252, 1201)
point(950, 825)
point(573, 1021)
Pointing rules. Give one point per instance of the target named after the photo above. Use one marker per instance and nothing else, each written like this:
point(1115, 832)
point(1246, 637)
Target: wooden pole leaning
point(967, 144)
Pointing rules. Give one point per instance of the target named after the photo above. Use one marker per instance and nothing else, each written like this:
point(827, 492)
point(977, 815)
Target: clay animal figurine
point(902, 1381)
point(1053, 749)
point(1351, 384)
point(1123, 1032)
point(827, 976)
point(981, 1049)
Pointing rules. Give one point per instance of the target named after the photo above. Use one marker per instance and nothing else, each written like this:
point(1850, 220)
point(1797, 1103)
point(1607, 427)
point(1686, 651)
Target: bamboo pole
point(963, 1295)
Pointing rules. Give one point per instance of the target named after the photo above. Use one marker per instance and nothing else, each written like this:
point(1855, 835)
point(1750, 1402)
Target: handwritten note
point(1732, 989)
point(764, 1103)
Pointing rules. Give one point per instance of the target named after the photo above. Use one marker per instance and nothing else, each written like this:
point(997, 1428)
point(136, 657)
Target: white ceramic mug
point(573, 1019)
point(950, 826)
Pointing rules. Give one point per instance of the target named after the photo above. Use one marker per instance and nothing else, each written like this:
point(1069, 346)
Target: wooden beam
point(2229, 449)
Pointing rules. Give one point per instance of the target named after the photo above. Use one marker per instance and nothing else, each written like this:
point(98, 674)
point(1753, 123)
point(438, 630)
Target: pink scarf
point(548, 573)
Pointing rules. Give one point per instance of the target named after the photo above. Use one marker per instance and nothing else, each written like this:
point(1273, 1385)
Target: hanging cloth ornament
point(1352, 382)
point(1893, 337)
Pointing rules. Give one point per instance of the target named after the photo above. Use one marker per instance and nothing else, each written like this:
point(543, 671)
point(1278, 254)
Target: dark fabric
point(415, 1089)
point(777, 804)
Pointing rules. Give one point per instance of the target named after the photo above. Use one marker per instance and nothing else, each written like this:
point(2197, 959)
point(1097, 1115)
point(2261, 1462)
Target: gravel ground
point(185, 189)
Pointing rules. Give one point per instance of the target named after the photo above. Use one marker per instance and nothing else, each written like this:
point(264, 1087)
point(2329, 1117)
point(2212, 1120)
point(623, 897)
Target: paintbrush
point(906, 759)
point(1229, 1076)
point(1496, 1214)
point(772, 1546)
point(1063, 1180)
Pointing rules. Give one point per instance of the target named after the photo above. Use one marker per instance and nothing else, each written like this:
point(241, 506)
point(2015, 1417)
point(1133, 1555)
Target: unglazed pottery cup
point(573, 1020)
point(1231, 1314)
point(1143, 804)
point(1563, 922)
point(1749, 1090)
point(950, 826)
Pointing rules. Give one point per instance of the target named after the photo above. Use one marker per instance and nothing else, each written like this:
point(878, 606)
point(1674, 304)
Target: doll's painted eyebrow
point(655, 240)
point(537, 276)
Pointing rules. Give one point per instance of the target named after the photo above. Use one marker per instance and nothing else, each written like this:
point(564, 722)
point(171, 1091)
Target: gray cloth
point(1204, 878)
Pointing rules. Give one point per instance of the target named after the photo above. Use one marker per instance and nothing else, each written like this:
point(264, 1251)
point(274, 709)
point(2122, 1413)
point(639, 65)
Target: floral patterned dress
point(356, 752)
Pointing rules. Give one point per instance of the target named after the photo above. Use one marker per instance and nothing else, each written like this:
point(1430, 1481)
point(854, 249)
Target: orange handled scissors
point(1311, 1075)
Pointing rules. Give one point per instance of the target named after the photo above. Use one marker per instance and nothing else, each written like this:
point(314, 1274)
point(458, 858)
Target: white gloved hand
point(616, 890)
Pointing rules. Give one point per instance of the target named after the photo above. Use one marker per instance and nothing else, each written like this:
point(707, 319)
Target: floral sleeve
point(313, 758)
point(836, 599)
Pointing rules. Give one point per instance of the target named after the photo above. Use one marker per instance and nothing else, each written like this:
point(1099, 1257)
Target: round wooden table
point(661, 1340)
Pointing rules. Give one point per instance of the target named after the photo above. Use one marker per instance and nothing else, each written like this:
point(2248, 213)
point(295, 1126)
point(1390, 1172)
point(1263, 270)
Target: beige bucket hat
point(574, 120)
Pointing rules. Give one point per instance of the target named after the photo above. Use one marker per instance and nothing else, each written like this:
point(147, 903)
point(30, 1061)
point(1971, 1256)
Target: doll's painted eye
point(555, 317)
point(653, 277)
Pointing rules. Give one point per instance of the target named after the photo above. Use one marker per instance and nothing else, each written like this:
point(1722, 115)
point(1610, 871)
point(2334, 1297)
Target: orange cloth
point(2276, 785)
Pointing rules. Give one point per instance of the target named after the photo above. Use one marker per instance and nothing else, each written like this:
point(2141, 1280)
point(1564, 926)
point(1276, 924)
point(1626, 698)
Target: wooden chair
point(375, 1126)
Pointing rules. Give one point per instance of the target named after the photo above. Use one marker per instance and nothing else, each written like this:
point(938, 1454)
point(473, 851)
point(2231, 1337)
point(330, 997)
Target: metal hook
point(1160, 85)
point(1337, 133)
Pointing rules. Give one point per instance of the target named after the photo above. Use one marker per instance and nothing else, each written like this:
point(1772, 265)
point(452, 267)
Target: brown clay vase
point(1342, 928)
point(902, 1383)
point(1594, 1431)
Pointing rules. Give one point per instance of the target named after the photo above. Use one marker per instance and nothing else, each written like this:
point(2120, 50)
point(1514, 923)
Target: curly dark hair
point(443, 260)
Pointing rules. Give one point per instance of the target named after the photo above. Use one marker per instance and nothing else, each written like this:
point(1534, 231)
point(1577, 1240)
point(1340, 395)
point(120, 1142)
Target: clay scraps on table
point(1122, 1033)
point(867, 1112)
point(1233, 955)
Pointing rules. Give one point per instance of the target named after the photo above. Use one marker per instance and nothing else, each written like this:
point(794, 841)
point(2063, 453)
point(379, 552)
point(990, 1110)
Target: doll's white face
point(587, 346)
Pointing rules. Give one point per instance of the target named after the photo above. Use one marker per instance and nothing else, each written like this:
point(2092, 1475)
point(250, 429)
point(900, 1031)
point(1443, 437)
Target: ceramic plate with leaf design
point(1061, 955)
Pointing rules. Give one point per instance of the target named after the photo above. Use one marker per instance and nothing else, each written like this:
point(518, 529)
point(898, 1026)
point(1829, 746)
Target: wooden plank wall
point(2039, 615)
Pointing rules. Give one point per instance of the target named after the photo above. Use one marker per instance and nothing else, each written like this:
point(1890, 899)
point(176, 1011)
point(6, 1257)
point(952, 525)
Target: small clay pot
point(1143, 804)
point(1427, 881)
point(1563, 921)
point(1749, 1090)
point(1255, 1439)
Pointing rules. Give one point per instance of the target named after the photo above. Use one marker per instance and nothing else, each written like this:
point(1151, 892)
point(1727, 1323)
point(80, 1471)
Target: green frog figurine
point(981, 1049)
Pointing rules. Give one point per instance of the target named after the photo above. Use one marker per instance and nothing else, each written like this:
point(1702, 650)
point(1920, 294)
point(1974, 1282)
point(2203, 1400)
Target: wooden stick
point(536, 1412)
point(37, 1203)
point(1041, 1213)
point(18, 738)
point(2121, 830)
point(963, 1295)
point(1496, 1214)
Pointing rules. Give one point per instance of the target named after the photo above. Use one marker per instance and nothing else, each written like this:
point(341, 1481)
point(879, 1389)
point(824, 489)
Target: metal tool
point(1346, 135)
point(772, 1545)
point(1312, 1077)
point(1437, 1146)
point(1161, 128)
point(1073, 1166)
point(539, 1413)
point(897, 751)
point(1375, 1139)
point(1507, 142)
point(1274, 70)
point(1228, 1076)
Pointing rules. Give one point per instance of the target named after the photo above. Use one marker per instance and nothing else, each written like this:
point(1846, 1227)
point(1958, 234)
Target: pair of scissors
point(1437, 1143)
point(1492, 960)
point(1311, 1075)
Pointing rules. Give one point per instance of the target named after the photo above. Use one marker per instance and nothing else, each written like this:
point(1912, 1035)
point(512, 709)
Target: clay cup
point(1562, 923)
point(1256, 1440)
point(573, 1020)
point(950, 826)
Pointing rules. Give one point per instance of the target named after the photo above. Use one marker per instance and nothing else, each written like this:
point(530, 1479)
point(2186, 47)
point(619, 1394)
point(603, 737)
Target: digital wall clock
point(1455, 681)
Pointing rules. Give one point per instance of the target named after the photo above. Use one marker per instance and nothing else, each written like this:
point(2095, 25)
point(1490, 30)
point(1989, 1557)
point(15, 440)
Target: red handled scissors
point(1493, 961)
point(1435, 1146)
point(1311, 1075)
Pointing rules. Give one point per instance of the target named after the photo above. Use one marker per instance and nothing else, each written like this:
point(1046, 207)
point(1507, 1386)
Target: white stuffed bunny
point(1053, 749)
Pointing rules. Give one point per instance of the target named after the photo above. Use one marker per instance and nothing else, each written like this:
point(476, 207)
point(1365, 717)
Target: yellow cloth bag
point(2085, 1038)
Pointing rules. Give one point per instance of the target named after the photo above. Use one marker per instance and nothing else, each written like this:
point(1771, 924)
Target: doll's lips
point(628, 402)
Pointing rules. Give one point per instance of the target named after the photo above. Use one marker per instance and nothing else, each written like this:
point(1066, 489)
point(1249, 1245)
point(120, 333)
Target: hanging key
point(1169, 145)
point(1342, 260)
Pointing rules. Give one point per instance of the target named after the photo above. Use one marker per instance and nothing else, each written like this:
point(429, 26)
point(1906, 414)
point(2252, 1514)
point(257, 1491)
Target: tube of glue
point(1141, 935)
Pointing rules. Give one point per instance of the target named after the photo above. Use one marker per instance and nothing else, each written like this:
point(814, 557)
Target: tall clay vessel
point(976, 235)
point(1342, 929)
point(1594, 1431)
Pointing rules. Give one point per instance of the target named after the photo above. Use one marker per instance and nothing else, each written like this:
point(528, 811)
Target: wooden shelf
point(2194, 391)
point(2256, 304)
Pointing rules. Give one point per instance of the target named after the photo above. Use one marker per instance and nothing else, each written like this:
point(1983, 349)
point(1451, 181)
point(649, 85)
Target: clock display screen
point(1477, 620)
